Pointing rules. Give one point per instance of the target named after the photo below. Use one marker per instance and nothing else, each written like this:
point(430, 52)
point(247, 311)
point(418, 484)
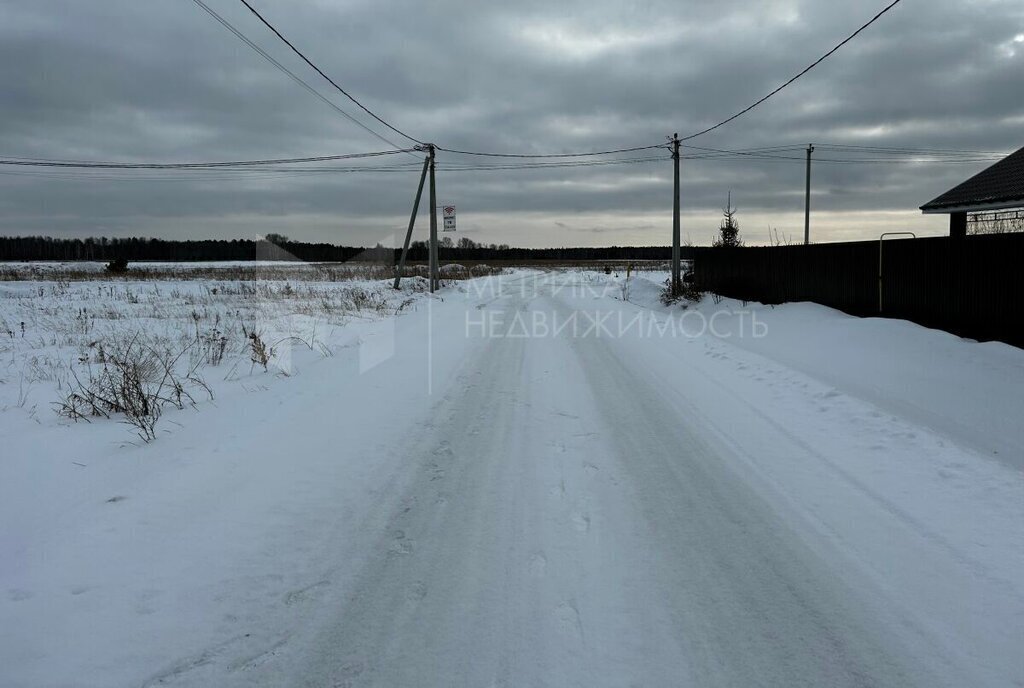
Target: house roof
point(998, 186)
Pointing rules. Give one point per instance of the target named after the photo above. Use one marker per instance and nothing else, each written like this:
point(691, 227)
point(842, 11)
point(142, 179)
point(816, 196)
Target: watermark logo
point(612, 324)
point(569, 285)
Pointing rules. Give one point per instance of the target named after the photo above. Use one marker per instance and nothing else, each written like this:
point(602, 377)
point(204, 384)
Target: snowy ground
point(527, 480)
point(57, 334)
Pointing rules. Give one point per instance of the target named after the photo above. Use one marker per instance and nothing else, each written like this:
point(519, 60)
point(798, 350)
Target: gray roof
point(998, 186)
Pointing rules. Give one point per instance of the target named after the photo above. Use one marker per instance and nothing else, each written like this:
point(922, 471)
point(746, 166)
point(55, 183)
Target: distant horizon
point(866, 229)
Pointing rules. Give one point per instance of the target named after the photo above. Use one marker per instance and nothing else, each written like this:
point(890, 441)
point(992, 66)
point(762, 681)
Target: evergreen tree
point(729, 231)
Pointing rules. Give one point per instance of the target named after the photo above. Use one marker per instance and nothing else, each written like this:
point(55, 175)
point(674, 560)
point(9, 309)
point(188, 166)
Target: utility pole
point(433, 222)
point(677, 284)
point(807, 198)
point(412, 222)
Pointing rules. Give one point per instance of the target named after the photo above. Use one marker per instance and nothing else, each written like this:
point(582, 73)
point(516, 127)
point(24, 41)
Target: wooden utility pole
point(434, 276)
point(677, 282)
point(412, 223)
point(807, 198)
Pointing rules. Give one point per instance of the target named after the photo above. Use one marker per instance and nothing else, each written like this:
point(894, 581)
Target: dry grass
point(134, 380)
point(238, 272)
point(127, 348)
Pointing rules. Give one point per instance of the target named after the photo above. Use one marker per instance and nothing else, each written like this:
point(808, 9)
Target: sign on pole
point(449, 218)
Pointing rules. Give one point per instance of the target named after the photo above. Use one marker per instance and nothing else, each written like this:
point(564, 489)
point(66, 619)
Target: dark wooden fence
point(973, 287)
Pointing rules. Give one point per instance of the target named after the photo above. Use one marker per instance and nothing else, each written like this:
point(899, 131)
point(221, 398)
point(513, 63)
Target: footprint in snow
point(569, 619)
point(399, 545)
point(302, 594)
point(417, 591)
point(538, 565)
point(581, 522)
point(251, 662)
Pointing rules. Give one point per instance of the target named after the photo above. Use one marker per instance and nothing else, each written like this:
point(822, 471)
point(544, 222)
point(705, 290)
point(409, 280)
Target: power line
point(850, 161)
point(843, 161)
point(374, 115)
point(753, 153)
point(961, 157)
point(227, 173)
point(280, 168)
point(292, 75)
point(206, 174)
point(327, 78)
point(900, 151)
point(797, 76)
point(29, 162)
point(765, 154)
point(706, 153)
point(348, 95)
point(550, 155)
point(703, 131)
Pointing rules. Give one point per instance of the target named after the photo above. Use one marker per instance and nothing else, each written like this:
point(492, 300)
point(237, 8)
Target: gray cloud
point(120, 79)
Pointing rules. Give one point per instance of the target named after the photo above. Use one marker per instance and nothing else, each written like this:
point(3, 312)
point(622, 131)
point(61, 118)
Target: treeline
point(467, 250)
point(277, 247)
point(136, 249)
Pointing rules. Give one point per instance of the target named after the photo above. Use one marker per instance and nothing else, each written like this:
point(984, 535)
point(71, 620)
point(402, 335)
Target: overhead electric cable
point(794, 78)
point(295, 77)
point(551, 155)
point(348, 95)
point(28, 162)
point(937, 155)
point(280, 168)
point(696, 134)
point(329, 80)
point(952, 152)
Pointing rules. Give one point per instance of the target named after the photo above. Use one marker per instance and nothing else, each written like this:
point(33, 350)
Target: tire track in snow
point(751, 605)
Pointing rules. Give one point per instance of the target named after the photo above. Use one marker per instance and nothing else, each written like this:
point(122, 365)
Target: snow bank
point(644, 292)
point(970, 392)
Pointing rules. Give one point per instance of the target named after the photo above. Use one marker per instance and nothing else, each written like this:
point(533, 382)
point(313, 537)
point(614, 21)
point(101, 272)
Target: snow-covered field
point(538, 478)
point(231, 270)
point(57, 335)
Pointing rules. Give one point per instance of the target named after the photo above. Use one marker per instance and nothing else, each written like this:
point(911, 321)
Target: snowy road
point(570, 509)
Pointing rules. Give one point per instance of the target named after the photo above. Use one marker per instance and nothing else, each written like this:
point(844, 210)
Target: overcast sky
point(160, 80)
